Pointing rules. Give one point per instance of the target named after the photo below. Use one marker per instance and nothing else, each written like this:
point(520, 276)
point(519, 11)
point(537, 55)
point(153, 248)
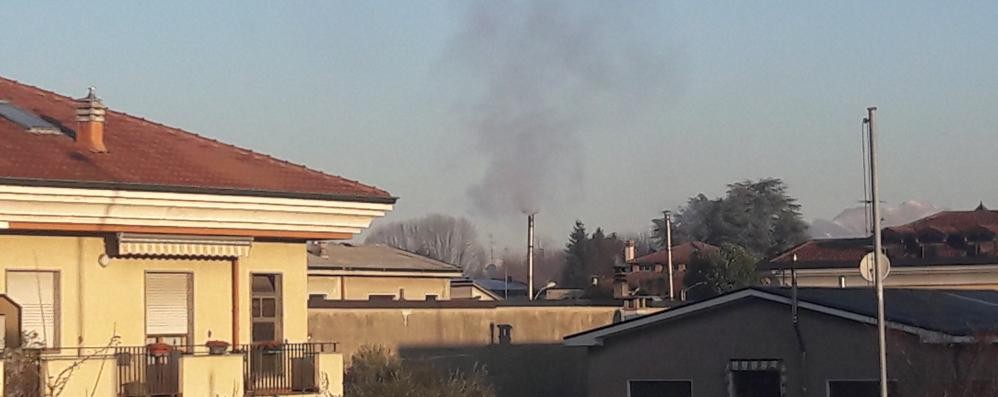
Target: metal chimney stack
point(530, 256)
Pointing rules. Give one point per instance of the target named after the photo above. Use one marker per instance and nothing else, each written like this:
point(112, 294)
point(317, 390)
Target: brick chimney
point(90, 113)
point(620, 288)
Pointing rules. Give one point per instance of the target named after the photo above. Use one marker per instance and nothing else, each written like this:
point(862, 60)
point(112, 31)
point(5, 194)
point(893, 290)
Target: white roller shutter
point(167, 303)
point(36, 293)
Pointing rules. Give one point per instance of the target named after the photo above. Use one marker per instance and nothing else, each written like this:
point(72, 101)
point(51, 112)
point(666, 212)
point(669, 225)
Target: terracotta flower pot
point(273, 347)
point(217, 347)
point(159, 349)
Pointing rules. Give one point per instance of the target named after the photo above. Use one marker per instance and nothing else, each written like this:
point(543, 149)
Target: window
point(38, 295)
point(168, 308)
point(266, 308)
point(659, 388)
point(859, 388)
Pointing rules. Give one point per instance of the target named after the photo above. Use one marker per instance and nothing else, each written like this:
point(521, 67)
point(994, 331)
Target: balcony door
point(267, 307)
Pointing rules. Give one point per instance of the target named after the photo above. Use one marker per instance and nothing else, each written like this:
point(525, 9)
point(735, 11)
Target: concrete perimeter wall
point(451, 335)
point(449, 327)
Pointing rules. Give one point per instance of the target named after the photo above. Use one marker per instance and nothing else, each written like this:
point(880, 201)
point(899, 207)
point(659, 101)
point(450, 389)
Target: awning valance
point(177, 245)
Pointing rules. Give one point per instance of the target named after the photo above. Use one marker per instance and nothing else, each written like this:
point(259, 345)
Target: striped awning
point(179, 245)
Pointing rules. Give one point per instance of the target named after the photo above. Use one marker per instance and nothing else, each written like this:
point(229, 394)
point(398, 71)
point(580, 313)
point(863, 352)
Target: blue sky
point(366, 90)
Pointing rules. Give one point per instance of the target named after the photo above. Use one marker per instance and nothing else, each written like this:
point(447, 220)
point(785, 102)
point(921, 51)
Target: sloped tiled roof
point(681, 254)
point(847, 252)
point(951, 222)
point(822, 253)
point(144, 155)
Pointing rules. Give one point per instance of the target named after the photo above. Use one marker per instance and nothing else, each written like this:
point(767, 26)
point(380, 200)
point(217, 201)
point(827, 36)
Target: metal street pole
point(530, 257)
point(877, 249)
point(668, 251)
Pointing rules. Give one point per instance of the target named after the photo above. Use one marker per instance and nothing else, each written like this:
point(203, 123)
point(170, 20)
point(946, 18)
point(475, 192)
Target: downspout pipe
point(235, 302)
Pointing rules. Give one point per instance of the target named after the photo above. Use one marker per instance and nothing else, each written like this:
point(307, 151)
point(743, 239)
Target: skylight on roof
point(30, 121)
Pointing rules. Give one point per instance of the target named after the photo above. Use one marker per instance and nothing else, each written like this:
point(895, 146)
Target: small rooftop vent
point(29, 121)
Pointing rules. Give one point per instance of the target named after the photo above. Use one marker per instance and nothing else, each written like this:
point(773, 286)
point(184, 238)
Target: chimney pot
point(628, 251)
point(90, 112)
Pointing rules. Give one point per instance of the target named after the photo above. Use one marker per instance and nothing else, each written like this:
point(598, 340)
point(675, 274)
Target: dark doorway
point(757, 383)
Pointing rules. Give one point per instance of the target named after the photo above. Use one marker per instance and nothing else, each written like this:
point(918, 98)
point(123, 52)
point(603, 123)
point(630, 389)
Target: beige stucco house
point(341, 271)
point(129, 245)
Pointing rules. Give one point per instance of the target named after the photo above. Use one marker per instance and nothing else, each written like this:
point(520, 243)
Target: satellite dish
point(866, 267)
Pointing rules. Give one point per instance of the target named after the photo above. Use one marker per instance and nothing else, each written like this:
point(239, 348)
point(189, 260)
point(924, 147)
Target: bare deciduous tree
point(442, 237)
point(24, 373)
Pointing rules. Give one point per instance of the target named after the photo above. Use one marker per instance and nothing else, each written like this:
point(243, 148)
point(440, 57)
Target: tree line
point(753, 220)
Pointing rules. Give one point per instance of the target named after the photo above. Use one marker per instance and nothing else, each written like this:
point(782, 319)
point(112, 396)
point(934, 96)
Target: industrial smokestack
point(530, 256)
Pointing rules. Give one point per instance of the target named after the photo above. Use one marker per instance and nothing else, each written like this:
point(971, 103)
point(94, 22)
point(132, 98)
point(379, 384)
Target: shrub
point(376, 372)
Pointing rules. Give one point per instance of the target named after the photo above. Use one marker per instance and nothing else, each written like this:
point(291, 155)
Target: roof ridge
point(140, 119)
point(791, 250)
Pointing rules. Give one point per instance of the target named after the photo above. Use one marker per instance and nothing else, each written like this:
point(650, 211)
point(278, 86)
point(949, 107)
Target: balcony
point(142, 372)
point(300, 369)
point(282, 369)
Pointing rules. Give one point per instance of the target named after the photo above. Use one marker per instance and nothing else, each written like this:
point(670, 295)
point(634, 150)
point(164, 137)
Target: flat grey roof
point(373, 257)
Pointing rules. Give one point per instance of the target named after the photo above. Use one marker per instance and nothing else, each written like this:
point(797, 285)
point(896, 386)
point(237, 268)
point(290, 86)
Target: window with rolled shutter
point(168, 305)
point(36, 293)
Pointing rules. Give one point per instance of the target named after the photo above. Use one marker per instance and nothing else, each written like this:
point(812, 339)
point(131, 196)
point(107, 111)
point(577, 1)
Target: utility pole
point(877, 249)
point(530, 257)
point(668, 251)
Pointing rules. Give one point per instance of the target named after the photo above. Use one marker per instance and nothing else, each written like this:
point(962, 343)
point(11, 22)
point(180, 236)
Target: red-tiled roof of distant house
point(681, 254)
point(947, 232)
point(979, 220)
point(144, 155)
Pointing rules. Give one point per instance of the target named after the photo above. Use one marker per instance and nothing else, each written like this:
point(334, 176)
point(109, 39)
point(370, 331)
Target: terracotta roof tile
point(951, 222)
point(847, 252)
point(680, 254)
point(143, 153)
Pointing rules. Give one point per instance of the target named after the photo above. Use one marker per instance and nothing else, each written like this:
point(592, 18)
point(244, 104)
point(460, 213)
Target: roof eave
point(595, 337)
point(60, 183)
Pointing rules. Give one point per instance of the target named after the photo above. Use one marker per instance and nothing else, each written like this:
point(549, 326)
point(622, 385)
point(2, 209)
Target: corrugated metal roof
point(500, 284)
point(955, 312)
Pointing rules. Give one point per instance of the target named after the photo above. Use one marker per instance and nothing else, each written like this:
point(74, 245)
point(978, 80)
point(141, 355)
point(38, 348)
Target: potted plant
point(217, 347)
point(159, 349)
point(271, 347)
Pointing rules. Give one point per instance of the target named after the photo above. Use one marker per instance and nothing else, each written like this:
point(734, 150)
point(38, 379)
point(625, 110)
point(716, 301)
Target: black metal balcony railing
point(270, 369)
point(143, 373)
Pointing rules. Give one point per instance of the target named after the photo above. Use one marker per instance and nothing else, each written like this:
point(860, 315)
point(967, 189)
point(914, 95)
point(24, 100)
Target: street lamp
point(550, 284)
point(682, 292)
